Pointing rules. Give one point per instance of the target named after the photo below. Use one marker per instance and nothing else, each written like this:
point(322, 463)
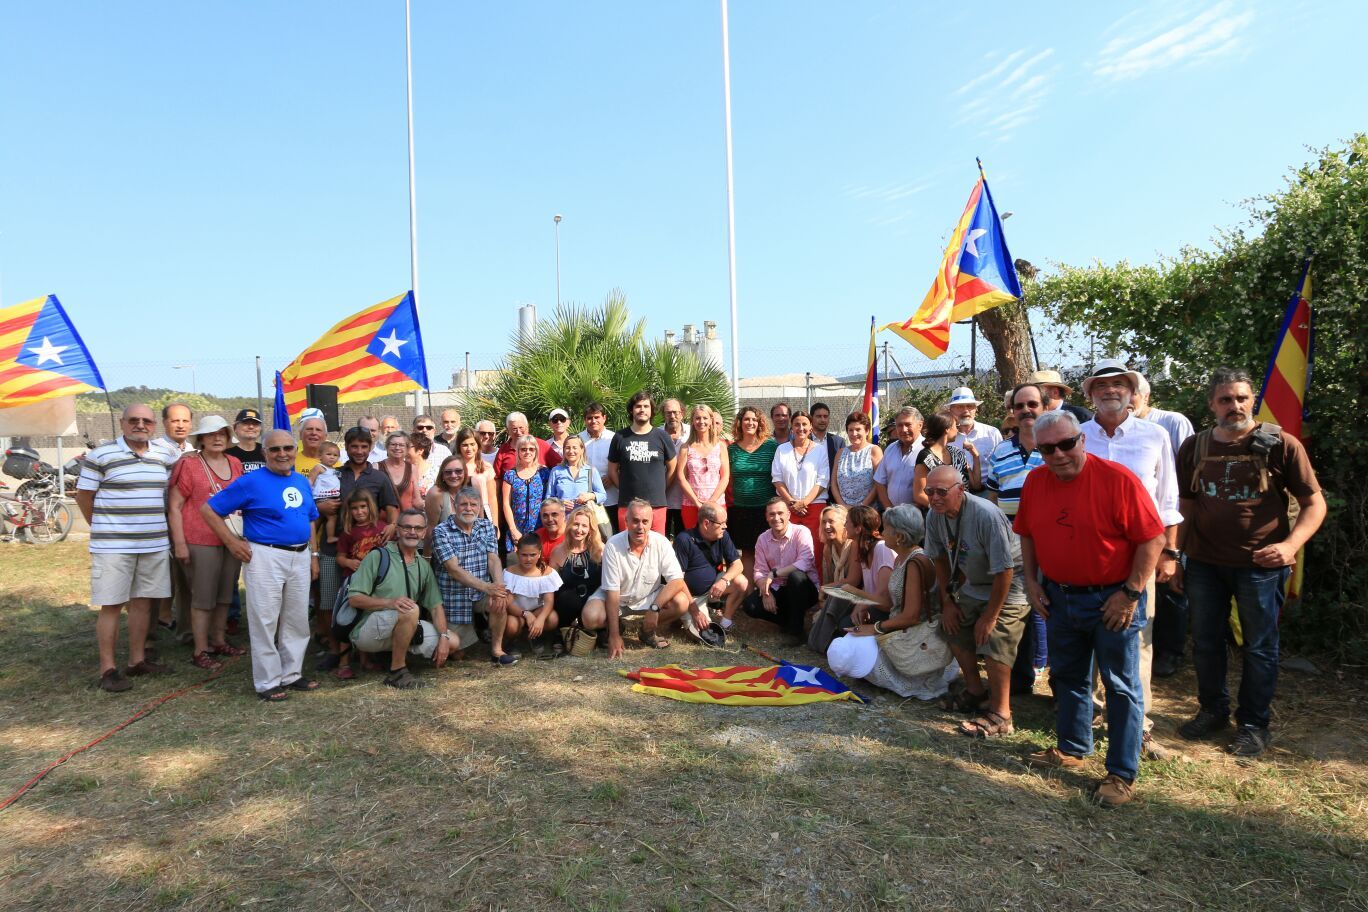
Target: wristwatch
point(1132, 594)
point(1174, 553)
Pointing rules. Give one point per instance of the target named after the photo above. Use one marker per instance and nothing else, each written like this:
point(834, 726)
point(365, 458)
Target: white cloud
point(1211, 33)
point(1008, 94)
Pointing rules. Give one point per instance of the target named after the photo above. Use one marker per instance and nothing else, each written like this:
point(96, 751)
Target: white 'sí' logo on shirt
point(293, 499)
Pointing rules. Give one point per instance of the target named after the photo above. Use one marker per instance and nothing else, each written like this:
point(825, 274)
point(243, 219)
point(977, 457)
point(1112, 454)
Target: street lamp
point(557, 219)
point(191, 368)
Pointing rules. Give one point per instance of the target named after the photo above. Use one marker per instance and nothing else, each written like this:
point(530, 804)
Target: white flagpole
point(731, 211)
point(413, 188)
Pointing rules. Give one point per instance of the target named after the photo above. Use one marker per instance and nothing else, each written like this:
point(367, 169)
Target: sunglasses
point(1048, 449)
point(286, 448)
point(558, 419)
point(1022, 405)
point(425, 427)
point(147, 421)
point(454, 473)
point(941, 492)
point(407, 528)
point(484, 433)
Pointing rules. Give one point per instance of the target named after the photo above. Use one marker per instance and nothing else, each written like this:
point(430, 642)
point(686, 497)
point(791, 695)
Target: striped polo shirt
point(129, 516)
point(1006, 470)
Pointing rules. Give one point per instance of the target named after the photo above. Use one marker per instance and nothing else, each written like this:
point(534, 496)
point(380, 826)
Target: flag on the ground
point(280, 415)
point(1282, 400)
point(373, 353)
point(871, 389)
point(784, 684)
point(976, 274)
point(41, 354)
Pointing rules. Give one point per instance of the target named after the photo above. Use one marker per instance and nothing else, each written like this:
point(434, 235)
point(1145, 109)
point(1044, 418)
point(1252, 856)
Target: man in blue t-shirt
point(712, 566)
point(277, 509)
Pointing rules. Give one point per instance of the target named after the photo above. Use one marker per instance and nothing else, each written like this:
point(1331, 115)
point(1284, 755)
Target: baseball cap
point(248, 414)
point(558, 411)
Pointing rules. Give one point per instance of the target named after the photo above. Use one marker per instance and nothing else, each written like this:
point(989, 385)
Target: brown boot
point(1113, 791)
point(1055, 758)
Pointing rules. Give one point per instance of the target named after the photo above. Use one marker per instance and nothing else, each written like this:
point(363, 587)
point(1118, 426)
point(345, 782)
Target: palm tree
point(583, 355)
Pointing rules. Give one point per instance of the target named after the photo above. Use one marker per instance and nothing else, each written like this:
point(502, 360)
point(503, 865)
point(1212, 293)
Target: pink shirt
point(704, 471)
point(191, 477)
point(795, 549)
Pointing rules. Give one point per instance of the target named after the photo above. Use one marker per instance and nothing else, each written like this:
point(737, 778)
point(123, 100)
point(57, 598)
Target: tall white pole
point(557, 220)
point(413, 190)
point(731, 212)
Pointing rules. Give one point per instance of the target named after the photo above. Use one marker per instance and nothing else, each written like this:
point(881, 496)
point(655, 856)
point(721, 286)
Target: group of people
point(1080, 542)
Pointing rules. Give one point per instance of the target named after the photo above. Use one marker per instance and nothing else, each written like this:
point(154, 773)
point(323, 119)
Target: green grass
point(524, 789)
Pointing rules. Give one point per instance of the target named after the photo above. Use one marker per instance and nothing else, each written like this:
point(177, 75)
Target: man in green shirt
point(392, 605)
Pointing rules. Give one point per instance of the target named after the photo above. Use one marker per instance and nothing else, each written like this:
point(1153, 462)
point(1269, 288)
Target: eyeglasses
point(941, 492)
point(1023, 405)
point(720, 523)
point(484, 433)
point(453, 473)
point(147, 421)
point(411, 528)
point(284, 448)
point(1047, 449)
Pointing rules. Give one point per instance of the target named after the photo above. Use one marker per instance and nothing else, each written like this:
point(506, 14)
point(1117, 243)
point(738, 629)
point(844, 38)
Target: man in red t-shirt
point(552, 528)
point(1090, 538)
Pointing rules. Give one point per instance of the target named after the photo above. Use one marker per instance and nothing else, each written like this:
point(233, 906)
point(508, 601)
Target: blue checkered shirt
point(471, 549)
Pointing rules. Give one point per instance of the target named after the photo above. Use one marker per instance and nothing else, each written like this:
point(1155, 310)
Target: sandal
point(963, 702)
point(402, 679)
point(345, 673)
point(205, 661)
point(653, 641)
point(302, 684)
point(987, 725)
point(226, 649)
point(274, 695)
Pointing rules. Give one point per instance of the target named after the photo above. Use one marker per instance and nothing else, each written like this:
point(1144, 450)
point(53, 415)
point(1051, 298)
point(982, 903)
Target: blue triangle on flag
point(399, 342)
point(54, 345)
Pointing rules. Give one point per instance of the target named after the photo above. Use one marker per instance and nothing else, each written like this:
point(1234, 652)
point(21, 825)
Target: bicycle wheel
point(53, 522)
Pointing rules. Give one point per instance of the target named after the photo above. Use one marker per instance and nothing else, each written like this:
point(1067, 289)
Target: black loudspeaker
point(324, 398)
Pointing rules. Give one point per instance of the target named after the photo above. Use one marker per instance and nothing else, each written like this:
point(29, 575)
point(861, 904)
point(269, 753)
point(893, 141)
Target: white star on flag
point(971, 245)
point(803, 675)
point(392, 344)
point(49, 352)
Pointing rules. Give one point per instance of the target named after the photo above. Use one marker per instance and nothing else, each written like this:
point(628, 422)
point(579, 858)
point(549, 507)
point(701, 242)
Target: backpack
point(1265, 437)
point(344, 615)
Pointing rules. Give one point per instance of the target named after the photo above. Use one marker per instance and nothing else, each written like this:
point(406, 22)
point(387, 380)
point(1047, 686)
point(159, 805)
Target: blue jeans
point(1032, 653)
point(1170, 619)
point(1258, 595)
point(1077, 634)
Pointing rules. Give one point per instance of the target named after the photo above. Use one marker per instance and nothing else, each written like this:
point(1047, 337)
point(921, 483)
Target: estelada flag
point(1282, 399)
point(373, 353)
point(871, 388)
point(41, 354)
point(784, 684)
point(976, 274)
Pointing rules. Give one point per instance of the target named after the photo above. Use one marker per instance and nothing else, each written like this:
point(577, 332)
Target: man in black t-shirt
point(641, 459)
point(247, 430)
point(711, 564)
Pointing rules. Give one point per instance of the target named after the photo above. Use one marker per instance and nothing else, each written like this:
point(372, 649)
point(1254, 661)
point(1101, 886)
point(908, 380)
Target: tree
point(1202, 309)
point(583, 355)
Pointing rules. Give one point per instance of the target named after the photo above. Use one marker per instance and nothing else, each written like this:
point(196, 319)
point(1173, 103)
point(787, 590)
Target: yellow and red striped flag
point(1282, 400)
point(976, 273)
point(41, 354)
point(784, 684)
point(373, 353)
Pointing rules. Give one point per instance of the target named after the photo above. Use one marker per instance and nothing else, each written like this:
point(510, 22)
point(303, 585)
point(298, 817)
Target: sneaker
point(145, 667)
point(1203, 725)
point(1166, 665)
point(1055, 758)
point(113, 681)
point(1250, 741)
point(1152, 749)
point(1114, 791)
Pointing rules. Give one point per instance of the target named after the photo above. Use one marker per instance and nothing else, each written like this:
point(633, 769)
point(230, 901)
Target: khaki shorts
point(116, 578)
point(375, 633)
point(1002, 642)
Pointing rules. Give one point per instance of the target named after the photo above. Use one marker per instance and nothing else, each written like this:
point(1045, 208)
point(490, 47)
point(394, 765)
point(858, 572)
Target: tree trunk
point(1006, 330)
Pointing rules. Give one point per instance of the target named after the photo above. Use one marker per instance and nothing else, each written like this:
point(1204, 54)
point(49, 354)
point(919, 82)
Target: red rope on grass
point(147, 708)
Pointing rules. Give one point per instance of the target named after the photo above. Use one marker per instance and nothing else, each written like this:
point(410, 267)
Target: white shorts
point(116, 577)
point(375, 633)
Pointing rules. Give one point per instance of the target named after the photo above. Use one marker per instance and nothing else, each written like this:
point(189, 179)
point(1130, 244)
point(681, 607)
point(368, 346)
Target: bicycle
point(41, 517)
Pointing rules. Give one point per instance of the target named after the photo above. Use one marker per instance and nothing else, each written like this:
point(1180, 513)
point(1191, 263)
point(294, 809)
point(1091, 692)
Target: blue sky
point(204, 182)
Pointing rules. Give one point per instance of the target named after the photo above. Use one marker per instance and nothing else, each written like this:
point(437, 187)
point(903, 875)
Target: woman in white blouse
point(801, 475)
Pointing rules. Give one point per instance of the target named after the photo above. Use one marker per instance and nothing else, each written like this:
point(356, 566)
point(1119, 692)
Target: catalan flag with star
point(976, 274)
point(373, 353)
point(41, 354)
point(1282, 400)
point(784, 684)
